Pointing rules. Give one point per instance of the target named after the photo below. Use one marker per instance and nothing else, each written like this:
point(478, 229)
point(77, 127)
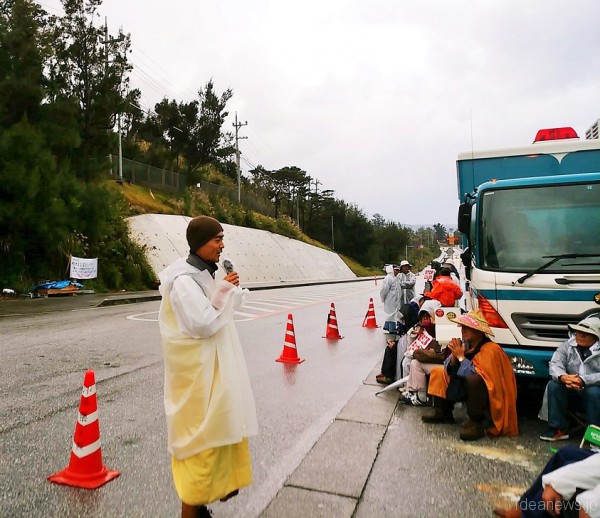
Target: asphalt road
point(418, 470)
point(45, 355)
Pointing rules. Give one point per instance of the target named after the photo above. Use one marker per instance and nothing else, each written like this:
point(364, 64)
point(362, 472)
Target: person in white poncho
point(389, 297)
point(209, 404)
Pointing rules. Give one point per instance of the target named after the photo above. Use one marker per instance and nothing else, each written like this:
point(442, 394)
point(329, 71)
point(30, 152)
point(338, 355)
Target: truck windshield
point(520, 226)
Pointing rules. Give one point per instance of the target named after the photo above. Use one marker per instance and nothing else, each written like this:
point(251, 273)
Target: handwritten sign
point(428, 274)
point(423, 340)
point(84, 268)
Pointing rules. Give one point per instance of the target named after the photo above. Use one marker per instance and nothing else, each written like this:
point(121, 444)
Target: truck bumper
point(529, 363)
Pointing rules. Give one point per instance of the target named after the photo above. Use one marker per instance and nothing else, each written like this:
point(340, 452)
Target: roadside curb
point(127, 300)
point(332, 477)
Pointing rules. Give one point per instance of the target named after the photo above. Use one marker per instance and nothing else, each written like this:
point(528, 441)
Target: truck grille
point(550, 328)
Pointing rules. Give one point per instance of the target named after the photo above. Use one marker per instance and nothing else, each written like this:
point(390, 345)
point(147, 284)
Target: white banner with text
point(84, 268)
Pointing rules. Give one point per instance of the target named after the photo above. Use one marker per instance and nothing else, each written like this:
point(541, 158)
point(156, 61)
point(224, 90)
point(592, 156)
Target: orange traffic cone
point(289, 353)
point(332, 332)
point(369, 320)
point(85, 467)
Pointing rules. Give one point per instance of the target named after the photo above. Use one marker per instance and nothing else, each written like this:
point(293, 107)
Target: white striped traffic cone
point(332, 332)
point(85, 467)
point(369, 320)
point(289, 353)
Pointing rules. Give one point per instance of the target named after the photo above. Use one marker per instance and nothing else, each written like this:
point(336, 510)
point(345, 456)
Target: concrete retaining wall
point(259, 256)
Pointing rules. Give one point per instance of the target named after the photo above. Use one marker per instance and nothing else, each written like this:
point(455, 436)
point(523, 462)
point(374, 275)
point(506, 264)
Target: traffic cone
point(85, 467)
point(369, 320)
point(332, 332)
point(289, 353)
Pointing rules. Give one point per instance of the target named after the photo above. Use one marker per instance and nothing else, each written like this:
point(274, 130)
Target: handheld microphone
point(228, 265)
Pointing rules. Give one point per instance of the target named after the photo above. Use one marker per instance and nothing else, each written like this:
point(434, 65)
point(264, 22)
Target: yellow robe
point(208, 398)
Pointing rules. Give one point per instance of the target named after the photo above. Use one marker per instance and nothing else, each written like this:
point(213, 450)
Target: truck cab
point(530, 218)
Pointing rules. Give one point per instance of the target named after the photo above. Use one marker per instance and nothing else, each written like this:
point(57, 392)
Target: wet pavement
point(375, 458)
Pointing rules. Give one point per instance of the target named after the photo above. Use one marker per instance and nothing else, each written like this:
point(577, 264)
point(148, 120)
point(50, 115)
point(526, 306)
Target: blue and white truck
point(530, 218)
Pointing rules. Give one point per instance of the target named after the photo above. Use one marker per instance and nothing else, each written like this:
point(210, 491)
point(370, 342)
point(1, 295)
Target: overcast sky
point(376, 98)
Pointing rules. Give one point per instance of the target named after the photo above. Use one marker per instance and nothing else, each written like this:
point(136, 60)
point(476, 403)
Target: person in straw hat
point(479, 372)
point(209, 405)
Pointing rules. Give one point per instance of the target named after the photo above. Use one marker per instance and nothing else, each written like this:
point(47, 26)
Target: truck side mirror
point(464, 218)
point(467, 258)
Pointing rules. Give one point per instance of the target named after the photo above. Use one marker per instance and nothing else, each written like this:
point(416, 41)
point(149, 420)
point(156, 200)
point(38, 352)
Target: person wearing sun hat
point(479, 372)
point(575, 384)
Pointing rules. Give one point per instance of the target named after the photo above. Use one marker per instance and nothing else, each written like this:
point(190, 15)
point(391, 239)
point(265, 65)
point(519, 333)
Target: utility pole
point(237, 126)
point(332, 238)
point(106, 42)
point(317, 183)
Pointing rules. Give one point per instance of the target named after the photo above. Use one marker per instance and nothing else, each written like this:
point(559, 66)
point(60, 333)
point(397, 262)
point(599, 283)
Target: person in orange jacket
point(444, 289)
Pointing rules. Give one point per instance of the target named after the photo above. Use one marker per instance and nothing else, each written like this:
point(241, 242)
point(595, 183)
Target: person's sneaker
point(410, 398)
point(554, 434)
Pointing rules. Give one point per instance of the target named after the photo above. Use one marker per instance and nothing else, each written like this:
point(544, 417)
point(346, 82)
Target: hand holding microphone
point(232, 275)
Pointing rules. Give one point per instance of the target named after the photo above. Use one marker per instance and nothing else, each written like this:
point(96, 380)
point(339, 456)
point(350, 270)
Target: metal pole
point(120, 150)
point(237, 160)
point(332, 238)
point(238, 125)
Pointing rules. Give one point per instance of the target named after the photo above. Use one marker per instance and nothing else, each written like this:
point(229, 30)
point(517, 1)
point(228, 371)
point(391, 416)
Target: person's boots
point(442, 412)
point(203, 512)
point(472, 430)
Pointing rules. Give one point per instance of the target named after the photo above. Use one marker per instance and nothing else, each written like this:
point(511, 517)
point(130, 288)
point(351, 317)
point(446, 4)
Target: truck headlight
point(522, 365)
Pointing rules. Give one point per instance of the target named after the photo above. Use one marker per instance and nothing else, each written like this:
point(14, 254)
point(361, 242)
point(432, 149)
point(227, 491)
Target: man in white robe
point(209, 404)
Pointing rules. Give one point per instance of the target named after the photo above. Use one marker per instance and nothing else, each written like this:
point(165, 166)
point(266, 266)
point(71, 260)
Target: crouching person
point(479, 372)
point(424, 359)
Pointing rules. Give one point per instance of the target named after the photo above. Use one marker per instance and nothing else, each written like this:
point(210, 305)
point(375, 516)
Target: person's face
point(395, 272)
point(584, 339)
point(470, 335)
point(211, 250)
point(405, 268)
point(425, 320)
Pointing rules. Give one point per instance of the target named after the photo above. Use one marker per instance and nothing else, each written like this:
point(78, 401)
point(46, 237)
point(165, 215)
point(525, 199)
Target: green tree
point(91, 71)
point(440, 231)
point(36, 188)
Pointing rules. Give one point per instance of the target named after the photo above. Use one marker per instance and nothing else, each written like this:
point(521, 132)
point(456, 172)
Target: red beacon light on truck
point(555, 134)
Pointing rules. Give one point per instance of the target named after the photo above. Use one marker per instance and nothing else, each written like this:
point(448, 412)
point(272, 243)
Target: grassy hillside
point(142, 200)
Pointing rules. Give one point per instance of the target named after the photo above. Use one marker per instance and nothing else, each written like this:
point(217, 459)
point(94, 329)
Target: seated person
point(575, 383)
point(423, 359)
point(416, 336)
point(479, 372)
point(570, 470)
point(449, 263)
point(392, 365)
point(388, 365)
point(444, 289)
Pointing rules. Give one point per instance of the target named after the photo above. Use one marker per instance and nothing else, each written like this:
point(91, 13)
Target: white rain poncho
point(389, 296)
point(208, 397)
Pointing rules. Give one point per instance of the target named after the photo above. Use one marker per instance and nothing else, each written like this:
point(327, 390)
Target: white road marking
point(255, 308)
point(139, 315)
point(278, 305)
